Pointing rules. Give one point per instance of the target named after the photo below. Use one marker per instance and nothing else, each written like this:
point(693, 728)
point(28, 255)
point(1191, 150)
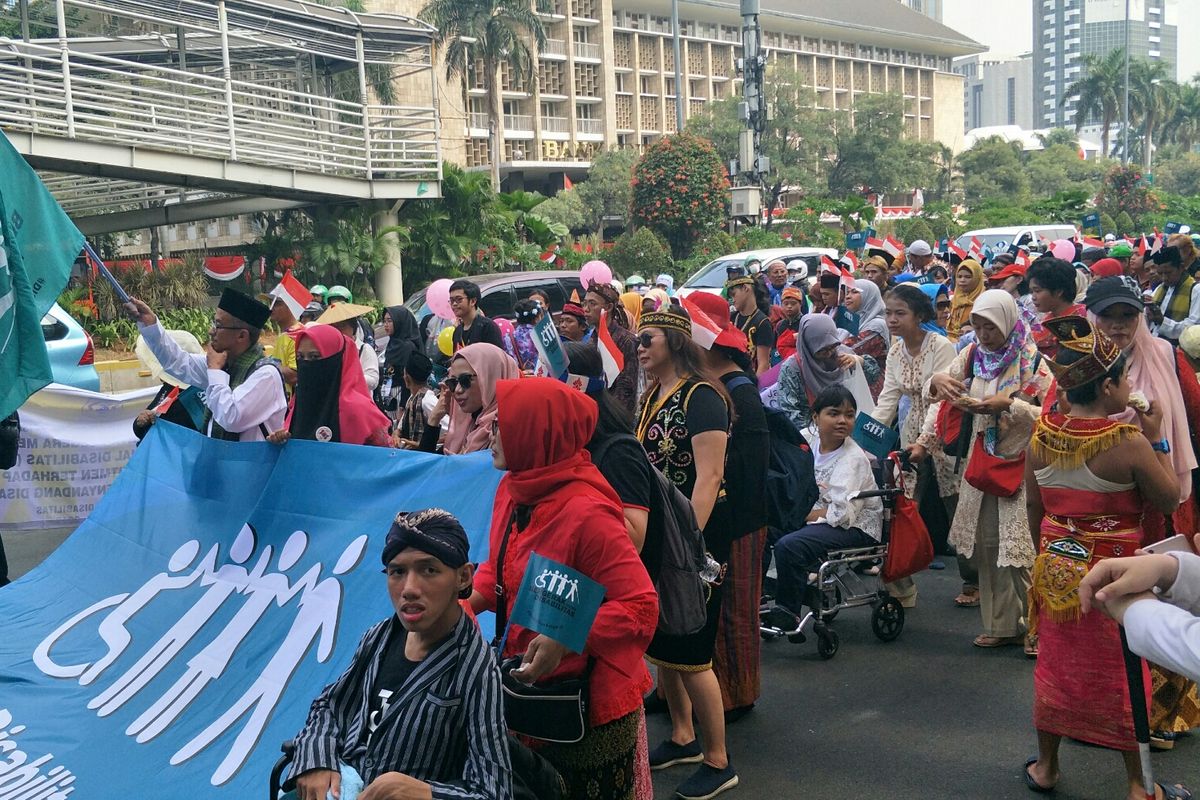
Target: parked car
point(711, 277)
point(72, 356)
point(1023, 235)
point(501, 290)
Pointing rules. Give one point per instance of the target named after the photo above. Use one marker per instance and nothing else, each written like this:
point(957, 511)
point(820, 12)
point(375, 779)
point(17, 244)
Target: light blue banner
point(179, 636)
point(557, 601)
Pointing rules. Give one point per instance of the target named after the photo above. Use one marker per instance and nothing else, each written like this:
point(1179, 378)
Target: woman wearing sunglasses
point(469, 397)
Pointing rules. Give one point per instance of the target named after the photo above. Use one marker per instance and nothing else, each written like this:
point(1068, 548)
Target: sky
point(1006, 26)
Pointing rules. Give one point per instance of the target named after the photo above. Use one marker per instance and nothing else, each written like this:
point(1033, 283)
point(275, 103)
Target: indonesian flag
point(1088, 241)
point(567, 184)
point(892, 246)
point(849, 260)
point(1021, 259)
point(292, 293)
point(549, 256)
point(874, 244)
point(1157, 242)
point(975, 249)
point(846, 276)
point(610, 355)
point(223, 268)
point(1142, 246)
point(704, 330)
point(958, 251)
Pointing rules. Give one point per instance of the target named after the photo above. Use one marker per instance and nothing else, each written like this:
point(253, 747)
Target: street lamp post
point(678, 66)
point(1125, 104)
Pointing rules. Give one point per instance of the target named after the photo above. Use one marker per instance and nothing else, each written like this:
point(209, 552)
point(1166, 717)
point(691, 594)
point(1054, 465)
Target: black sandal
point(1176, 792)
point(1034, 786)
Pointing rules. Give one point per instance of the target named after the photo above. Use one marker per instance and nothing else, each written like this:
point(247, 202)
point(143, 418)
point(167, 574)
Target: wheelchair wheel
point(887, 620)
point(827, 642)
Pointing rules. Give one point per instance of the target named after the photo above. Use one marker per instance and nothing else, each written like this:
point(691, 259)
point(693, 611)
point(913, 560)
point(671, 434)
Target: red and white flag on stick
point(845, 276)
point(1089, 241)
point(292, 292)
point(704, 330)
point(610, 355)
point(975, 249)
point(893, 246)
point(849, 260)
point(1156, 243)
point(958, 251)
point(874, 244)
point(1021, 259)
point(1141, 247)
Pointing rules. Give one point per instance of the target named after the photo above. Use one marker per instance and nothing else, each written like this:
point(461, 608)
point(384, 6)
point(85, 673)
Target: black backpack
point(682, 593)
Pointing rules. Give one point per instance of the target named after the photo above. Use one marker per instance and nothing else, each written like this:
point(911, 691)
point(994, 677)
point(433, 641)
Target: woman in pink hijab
point(469, 397)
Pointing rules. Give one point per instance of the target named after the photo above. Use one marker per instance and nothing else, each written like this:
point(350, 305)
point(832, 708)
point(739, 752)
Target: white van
point(711, 277)
point(1028, 235)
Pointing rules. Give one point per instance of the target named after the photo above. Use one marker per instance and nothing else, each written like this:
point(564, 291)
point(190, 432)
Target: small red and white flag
point(849, 260)
point(1021, 259)
point(292, 293)
point(1141, 246)
point(958, 251)
point(1156, 243)
point(610, 355)
point(1088, 241)
point(704, 330)
point(551, 254)
point(845, 276)
point(975, 249)
point(874, 244)
point(893, 246)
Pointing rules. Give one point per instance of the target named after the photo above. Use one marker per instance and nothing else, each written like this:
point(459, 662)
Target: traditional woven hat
point(666, 321)
point(1077, 334)
point(342, 312)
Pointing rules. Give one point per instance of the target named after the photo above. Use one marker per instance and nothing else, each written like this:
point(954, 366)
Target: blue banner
point(549, 347)
point(1172, 227)
point(856, 241)
point(557, 601)
point(873, 436)
point(1092, 220)
point(180, 634)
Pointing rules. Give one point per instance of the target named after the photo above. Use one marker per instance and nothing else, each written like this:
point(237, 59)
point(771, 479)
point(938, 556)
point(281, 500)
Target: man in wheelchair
point(418, 713)
point(837, 521)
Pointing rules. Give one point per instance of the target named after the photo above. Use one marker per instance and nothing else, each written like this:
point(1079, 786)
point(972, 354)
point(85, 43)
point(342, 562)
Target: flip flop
point(997, 641)
point(972, 600)
point(1033, 785)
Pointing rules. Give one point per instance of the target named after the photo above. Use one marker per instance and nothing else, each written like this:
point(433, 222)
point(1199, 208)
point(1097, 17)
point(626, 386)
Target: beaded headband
point(1077, 334)
point(744, 280)
point(666, 321)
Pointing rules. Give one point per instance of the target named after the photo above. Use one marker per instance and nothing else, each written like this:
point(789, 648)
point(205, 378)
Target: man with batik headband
point(743, 292)
point(243, 390)
point(1088, 480)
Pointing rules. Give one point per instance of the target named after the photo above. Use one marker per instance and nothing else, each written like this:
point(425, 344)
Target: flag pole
point(104, 273)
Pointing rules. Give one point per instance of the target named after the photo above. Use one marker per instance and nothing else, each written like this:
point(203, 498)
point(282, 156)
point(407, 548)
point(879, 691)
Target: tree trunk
point(1104, 151)
point(494, 118)
point(1148, 144)
point(154, 247)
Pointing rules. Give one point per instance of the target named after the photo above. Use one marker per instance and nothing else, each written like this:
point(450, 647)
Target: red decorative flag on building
point(292, 293)
point(704, 330)
point(610, 355)
point(567, 184)
point(224, 268)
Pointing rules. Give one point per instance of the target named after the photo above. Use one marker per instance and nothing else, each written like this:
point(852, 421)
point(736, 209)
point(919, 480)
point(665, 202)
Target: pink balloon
point(505, 326)
point(595, 272)
point(437, 297)
point(1064, 249)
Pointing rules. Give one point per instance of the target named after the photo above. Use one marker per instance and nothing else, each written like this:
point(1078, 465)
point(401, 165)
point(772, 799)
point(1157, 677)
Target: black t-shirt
point(394, 671)
point(481, 330)
point(758, 330)
point(747, 458)
point(627, 471)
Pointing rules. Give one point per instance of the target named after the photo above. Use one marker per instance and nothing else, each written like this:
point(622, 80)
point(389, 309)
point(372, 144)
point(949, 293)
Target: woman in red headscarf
point(331, 402)
point(552, 500)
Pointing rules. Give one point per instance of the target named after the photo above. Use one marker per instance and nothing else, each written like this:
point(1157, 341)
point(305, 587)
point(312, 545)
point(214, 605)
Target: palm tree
point(1183, 127)
point(494, 32)
point(1099, 92)
point(1152, 98)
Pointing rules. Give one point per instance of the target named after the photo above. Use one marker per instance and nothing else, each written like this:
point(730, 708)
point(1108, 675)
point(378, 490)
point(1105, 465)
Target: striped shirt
point(444, 726)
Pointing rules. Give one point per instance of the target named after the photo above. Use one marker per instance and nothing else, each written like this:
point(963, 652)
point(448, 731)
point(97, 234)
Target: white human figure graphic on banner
point(112, 628)
point(317, 619)
point(228, 579)
point(210, 663)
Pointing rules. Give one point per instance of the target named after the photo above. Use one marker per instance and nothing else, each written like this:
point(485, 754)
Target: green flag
point(38, 244)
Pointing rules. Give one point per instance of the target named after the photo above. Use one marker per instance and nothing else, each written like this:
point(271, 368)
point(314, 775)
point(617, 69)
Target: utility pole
point(1125, 104)
point(751, 166)
point(677, 36)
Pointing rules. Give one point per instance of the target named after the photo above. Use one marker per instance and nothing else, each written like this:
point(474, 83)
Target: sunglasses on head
point(465, 380)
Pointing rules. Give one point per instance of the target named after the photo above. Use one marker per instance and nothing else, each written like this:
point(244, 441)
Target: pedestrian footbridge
point(154, 112)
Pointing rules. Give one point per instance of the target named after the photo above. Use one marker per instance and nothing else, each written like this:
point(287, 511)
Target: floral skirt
point(601, 765)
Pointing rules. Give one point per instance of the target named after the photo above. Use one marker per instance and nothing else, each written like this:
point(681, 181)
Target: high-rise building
point(1064, 31)
point(930, 8)
point(997, 90)
point(606, 76)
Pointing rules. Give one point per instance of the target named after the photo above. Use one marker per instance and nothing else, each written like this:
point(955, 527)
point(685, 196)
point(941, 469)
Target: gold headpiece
point(666, 321)
point(744, 280)
point(1077, 334)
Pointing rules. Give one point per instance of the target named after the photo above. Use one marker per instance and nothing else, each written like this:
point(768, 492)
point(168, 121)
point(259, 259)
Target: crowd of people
point(1047, 401)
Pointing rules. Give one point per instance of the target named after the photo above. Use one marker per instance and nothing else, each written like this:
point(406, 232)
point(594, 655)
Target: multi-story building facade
point(930, 8)
point(1064, 31)
point(606, 77)
point(997, 90)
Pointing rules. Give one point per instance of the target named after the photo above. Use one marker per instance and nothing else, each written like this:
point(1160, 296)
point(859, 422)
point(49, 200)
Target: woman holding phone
point(469, 397)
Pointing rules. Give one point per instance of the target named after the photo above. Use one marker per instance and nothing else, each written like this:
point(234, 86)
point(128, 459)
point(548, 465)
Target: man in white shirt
point(1156, 598)
point(1176, 304)
point(242, 389)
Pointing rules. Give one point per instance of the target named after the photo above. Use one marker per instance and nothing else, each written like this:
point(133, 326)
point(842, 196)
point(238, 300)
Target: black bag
point(791, 478)
point(533, 777)
point(682, 593)
point(554, 711)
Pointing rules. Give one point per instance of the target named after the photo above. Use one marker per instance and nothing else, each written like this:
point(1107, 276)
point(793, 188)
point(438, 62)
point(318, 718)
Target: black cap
point(418, 366)
point(1108, 292)
point(431, 531)
point(829, 281)
point(244, 307)
point(1168, 255)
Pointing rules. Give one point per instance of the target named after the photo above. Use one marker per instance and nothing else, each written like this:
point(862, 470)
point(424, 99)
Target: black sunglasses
point(465, 381)
point(645, 340)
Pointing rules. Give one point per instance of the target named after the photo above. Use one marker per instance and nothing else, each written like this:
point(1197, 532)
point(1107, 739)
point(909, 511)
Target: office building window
point(1012, 101)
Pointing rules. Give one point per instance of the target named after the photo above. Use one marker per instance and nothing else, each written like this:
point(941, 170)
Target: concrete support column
point(389, 281)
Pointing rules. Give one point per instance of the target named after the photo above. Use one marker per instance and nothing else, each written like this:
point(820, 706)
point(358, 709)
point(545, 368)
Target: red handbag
point(992, 474)
point(909, 548)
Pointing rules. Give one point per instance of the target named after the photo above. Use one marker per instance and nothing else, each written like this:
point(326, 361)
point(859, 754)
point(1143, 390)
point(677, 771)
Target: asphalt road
point(925, 717)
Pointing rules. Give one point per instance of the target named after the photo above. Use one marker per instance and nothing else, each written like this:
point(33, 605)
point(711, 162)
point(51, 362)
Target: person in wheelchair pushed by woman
point(838, 521)
point(418, 714)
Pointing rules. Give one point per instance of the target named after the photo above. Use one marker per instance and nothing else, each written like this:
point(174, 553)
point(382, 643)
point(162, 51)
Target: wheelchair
point(848, 578)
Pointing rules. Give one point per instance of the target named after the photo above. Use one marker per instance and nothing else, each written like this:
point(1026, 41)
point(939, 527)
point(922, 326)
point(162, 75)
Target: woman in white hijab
point(1003, 395)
